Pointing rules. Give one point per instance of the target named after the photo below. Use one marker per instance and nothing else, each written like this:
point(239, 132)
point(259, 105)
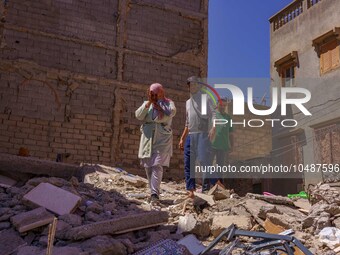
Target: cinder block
point(68, 146)
point(96, 143)
point(53, 198)
point(42, 122)
point(23, 124)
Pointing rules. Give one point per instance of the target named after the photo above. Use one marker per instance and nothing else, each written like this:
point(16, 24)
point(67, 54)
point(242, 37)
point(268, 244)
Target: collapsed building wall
point(73, 72)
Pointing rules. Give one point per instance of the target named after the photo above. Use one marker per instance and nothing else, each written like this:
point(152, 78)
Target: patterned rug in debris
point(164, 247)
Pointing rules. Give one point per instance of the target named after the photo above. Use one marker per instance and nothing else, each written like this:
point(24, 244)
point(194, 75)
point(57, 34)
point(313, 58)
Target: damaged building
point(74, 72)
point(305, 39)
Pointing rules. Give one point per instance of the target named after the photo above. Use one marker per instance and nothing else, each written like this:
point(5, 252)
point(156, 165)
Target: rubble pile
point(90, 220)
point(109, 213)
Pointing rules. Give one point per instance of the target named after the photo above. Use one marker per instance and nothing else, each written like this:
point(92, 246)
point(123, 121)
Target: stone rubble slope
point(113, 216)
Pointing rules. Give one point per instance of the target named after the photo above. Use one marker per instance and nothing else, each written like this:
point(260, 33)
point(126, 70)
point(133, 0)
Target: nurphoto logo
point(280, 101)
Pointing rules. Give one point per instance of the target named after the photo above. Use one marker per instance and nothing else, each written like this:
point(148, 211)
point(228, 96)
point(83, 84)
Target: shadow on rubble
point(106, 215)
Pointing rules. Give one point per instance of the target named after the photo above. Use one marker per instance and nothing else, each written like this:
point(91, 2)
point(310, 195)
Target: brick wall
point(73, 72)
point(249, 143)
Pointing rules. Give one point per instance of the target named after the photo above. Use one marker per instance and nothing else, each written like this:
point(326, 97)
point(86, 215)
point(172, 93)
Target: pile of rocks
point(90, 220)
point(108, 213)
point(272, 214)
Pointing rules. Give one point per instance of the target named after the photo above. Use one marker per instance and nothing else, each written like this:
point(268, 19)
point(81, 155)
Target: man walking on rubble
point(195, 139)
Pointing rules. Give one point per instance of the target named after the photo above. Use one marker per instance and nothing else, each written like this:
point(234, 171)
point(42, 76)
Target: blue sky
point(239, 43)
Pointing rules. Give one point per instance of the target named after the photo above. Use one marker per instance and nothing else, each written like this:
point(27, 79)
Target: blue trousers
point(197, 149)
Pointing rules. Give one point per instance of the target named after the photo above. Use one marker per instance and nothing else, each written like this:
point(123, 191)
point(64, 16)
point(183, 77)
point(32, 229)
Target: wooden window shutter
point(328, 50)
point(335, 54)
point(321, 62)
point(325, 58)
point(329, 56)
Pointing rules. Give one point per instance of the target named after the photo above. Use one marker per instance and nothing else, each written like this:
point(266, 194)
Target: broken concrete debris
point(186, 224)
point(103, 244)
point(264, 210)
point(302, 204)
point(122, 217)
point(34, 250)
point(219, 193)
point(106, 215)
point(330, 236)
point(74, 220)
point(6, 182)
point(272, 199)
point(189, 224)
point(10, 241)
point(208, 198)
point(322, 211)
point(328, 193)
point(14, 164)
point(283, 220)
point(32, 219)
point(53, 198)
point(118, 225)
point(272, 228)
point(220, 222)
point(136, 182)
point(258, 242)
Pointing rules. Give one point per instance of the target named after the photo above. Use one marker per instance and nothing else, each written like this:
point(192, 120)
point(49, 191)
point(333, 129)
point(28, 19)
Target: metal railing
point(290, 12)
point(311, 3)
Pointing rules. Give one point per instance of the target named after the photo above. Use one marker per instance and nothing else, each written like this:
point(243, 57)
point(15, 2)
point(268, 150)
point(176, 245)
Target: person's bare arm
point(185, 132)
point(183, 137)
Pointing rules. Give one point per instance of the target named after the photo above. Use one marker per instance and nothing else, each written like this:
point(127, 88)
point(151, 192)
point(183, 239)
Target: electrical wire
point(279, 134)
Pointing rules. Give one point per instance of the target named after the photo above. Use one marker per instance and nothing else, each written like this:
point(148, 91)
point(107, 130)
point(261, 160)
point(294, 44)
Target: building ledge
point(296, 132)
point(290, 58)
point(330, 35)
point(325, 123)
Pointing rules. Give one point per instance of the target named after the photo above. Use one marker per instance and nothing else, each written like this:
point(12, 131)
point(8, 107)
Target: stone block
point(6, 182)
point(222, 222)
point(32, 219)
point(53, 198)
point(10, 242)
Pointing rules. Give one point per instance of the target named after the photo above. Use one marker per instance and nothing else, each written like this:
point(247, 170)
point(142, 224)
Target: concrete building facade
point(304, 41)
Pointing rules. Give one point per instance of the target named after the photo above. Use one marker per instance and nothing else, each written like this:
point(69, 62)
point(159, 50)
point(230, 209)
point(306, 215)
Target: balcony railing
point(311, 3)
point(290, 12)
